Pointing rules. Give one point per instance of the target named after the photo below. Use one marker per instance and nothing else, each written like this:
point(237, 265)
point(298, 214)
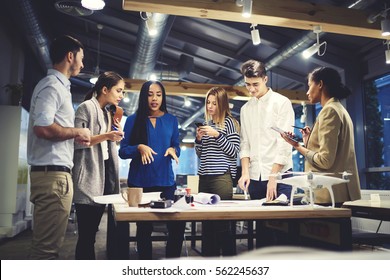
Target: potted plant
point(16, 92)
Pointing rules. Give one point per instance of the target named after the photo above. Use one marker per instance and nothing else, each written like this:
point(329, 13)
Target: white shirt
point(259, 142)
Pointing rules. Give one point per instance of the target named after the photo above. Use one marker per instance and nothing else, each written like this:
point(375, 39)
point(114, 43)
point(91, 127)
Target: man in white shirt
point(263, 151)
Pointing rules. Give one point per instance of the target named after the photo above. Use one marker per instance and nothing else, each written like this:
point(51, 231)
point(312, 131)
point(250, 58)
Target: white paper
point(206, 198)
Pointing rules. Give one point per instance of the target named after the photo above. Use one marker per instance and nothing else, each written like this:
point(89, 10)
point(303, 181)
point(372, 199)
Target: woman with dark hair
point(329, 145)
point(96, 170)
point(152, 142)
point(217, 145)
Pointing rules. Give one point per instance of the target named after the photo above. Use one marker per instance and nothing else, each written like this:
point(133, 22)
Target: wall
point(15, 212)
point(12, 61)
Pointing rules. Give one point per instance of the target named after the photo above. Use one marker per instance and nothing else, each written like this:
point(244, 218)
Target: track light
point(255, 35)
point(93, 4)
point(316, 48)
point(385, 27)
point(387, 52)
point(385, 22)
point(187, 102)
point(246, 7)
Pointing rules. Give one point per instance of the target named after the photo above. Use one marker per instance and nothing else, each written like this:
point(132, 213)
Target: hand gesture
point(146, 154)
point(172, 152)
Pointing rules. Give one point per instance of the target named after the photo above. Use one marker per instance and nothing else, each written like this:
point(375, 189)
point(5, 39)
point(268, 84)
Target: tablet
point(283, 132)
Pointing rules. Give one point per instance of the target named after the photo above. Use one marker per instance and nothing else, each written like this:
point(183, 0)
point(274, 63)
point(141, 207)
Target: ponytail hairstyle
point(223, 109)
point(107, 79)
point(331, 80)
point(139, 132)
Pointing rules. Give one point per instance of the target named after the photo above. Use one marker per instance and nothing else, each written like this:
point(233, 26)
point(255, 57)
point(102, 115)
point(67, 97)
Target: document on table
point(207, 198)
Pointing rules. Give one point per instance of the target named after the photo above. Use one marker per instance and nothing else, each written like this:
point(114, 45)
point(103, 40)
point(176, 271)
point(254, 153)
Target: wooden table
point(306, 225)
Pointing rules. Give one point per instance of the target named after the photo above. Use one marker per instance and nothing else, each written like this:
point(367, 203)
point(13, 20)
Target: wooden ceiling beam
point(282, 13)
point(200, 90)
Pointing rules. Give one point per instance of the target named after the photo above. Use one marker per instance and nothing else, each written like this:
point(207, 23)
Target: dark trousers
point(217, 236)
point(175, 231)
point(258, 190)
point(88, 220)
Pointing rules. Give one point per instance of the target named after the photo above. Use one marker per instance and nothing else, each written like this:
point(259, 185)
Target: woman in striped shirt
point(217, 145)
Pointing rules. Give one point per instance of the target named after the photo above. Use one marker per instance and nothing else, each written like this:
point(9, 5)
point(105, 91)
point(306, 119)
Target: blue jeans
point(258, 189)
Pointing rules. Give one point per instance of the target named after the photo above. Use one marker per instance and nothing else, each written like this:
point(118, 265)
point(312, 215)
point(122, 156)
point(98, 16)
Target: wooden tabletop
point(232, 210)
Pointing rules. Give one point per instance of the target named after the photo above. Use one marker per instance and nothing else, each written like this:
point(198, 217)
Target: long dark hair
point(331, 80)
point(107, 79)
point(139, 132)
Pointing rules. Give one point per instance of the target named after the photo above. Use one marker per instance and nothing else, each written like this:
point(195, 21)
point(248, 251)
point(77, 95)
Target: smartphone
point(199, 124)
point(283, 132)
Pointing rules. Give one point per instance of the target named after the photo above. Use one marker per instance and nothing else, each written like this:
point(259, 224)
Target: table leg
point(117, 243)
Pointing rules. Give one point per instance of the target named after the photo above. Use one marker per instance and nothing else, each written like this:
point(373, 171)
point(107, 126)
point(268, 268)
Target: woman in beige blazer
point(329, 145)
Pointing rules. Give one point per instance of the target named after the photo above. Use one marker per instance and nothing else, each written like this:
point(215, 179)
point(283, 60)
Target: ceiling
point(192, 50)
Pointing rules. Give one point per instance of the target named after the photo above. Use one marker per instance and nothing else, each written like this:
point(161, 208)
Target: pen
point(114, 128)
point(298, 127)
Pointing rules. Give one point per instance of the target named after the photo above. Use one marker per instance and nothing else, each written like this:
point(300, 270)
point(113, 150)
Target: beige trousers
point(51, 194)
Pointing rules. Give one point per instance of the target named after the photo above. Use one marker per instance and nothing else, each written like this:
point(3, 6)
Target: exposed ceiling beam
point(200, 90)
point(291, 14)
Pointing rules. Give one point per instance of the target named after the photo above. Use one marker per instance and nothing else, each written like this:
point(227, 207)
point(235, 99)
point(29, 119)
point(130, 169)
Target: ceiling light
point(316, 48)
point(385, 22)
point(187, 102)
point(255, 35)
point(387, 52)
point(93, 80)
point(152, 77)
point(310, 51)
point(246, 7)
point(385, 27)
point(93, 4)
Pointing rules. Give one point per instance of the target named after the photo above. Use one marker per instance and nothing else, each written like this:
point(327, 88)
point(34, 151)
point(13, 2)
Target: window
point(377, 132)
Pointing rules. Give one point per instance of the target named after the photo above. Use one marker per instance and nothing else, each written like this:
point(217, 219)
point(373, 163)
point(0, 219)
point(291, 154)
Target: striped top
point(219, 155)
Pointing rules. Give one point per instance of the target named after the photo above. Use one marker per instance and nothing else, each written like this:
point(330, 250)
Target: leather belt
point(50, 168)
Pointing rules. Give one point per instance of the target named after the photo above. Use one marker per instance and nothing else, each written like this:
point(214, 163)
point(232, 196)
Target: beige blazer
point(332, 149)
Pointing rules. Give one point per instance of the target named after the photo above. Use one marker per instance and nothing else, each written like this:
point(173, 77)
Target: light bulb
point(255, 36)
point(310, 51)
point(93, 4)
point(387, 54)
